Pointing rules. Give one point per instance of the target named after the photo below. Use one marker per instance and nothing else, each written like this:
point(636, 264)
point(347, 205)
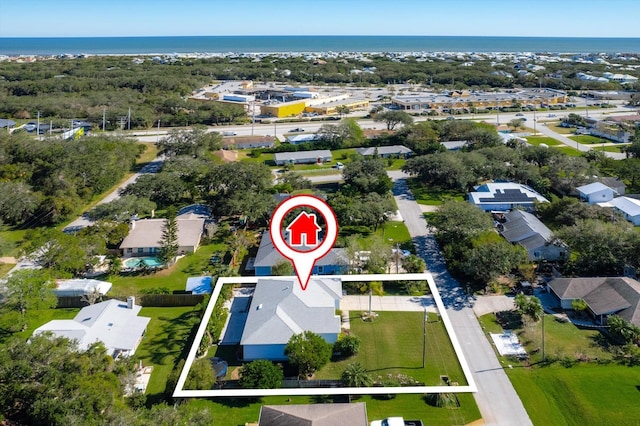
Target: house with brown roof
point(145, 236)
point(314, 415)
point(525, 229)
point(604, 296)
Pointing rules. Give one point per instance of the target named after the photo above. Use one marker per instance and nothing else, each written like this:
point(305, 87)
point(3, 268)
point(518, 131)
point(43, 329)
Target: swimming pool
point(140, 262)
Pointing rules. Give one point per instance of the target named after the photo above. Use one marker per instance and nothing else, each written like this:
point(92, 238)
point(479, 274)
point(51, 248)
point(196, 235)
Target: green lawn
point(572, 152)
point(238, 411)
point(165, 342)
point(537, 140)
point(581, 395)
point(14, 239)
point(175, 278)
point(389, 346)
point(433, 196)
point(396, 232)
point(5, 267)
point(393, 345)
point(562, 339)
point(589, 139)
point(561, 130)
point(615, 148)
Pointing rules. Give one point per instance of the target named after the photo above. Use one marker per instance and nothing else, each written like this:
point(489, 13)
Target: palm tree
point(530, 307)
point(356, 376)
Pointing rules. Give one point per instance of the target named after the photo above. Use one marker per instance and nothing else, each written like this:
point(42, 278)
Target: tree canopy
point(308, 352)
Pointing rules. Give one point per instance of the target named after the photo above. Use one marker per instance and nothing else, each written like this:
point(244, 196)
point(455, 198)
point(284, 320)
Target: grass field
point(165, 341)
point(562, 339)
point(589, 139)
point(5, 267)
point(561, 130)
point(537, 140)
point(572, 152)
point(389, 346)
point(393, 345)
point(174, 278)
point(615, 148)
point(433, 196)
point(581, 395)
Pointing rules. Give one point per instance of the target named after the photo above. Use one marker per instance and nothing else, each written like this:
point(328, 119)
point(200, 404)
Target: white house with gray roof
point(629, 207)
point(280, 309)
point(303, 157)
point(596, 192)
point(525, 229)
point(385, 151)
point(114, 323)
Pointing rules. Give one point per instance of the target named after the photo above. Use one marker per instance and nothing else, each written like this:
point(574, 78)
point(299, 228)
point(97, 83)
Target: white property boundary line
point(471, 387)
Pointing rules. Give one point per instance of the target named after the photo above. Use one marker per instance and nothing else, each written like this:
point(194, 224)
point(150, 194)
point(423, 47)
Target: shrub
point(347, 345)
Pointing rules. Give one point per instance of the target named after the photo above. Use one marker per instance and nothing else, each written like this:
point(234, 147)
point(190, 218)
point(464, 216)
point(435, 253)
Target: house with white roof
point(113, 322)
point(145, 235)
point(596, 192)
point(385, 151)
point(81, 287)
point(303, 157)
point(629, 207)
point(504, 196)
point(280, 309)
point(525, 229)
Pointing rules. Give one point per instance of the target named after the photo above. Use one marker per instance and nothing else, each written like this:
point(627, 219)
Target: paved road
point(580, 147)
point(497, 400)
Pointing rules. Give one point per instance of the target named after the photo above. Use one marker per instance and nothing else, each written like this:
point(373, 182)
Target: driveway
point(497, 400)
point(388, 303)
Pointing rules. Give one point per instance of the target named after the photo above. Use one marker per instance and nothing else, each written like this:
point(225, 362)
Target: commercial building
point(465, 100)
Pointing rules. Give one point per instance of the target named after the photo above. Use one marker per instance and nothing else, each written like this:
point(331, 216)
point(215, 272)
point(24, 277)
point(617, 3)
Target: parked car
point(519, 114)
point(297, 130)
point(229, 134)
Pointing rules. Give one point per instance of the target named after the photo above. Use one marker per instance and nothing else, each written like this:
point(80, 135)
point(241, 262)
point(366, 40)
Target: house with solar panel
point(505, 196)
point(528, 231)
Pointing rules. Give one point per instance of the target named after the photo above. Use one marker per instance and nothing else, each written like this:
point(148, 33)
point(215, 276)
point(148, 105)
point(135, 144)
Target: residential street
point(497, 400)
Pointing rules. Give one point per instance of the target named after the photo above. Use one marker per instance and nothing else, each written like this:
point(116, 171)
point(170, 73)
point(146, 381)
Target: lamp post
point(158, 135)
point(534, 122)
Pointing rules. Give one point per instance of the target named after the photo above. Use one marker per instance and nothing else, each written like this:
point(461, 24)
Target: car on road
point(297, 130)
point(519, 114)
point(229, 134)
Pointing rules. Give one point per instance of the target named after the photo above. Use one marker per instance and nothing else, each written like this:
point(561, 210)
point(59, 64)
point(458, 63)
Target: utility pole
point(543, 356)
point(129, 119)
point(253, 115)
point(38, 125)
point(158, 136)
point(397, 258)
point(104, 118)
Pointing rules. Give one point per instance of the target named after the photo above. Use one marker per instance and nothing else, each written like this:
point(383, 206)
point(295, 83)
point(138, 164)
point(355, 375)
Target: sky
point(538, 18)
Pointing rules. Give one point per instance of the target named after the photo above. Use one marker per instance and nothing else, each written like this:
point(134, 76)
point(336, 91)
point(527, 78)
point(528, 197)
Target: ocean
point(264, 44)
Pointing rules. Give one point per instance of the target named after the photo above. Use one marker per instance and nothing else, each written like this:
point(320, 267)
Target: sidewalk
point(388, 303)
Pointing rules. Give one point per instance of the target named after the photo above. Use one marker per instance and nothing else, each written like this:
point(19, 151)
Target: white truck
point(389, 421)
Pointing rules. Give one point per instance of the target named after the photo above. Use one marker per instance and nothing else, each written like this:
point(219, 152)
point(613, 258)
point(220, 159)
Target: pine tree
point(169, 242)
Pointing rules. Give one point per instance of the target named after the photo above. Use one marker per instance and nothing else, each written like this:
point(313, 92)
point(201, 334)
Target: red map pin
point(303, 232)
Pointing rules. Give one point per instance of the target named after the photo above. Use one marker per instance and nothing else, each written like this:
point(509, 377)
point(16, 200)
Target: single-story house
point(385, 151)
point(604, 296)
point(354, 414)
point(504, 196)
point(303, 157)
point(4, 122)
point(333, 263)
point(596, 192)
point(249, 142)
point(226, 155)
point(614, 183)
point(525, 229)
point(145, 236)
point(114, 323)
point(280, 309)
point(454, 145)
point(81, 287)
point(629, 207)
